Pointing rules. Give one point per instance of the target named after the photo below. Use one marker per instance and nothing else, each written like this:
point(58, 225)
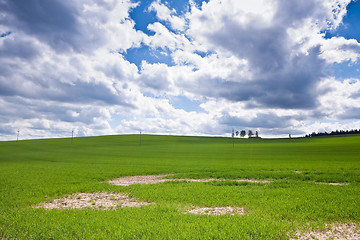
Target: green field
point(31, 170)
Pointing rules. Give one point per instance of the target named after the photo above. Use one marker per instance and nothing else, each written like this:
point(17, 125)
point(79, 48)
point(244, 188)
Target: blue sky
point(349, 29)
point(178, 67)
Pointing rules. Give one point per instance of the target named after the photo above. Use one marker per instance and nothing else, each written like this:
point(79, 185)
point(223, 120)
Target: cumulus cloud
point(155, 78)
point(66, 26)
point(282, 75)
point(165, 14)
point(270, 56)
point(339, 49)
point(251, 64)
point(166, 39)
point(55, 23)
point(341, 100)
point(282, 70)
point(60, 65)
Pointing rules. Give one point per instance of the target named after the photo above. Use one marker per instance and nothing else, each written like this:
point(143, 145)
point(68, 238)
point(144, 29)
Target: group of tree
point(243, 133)
point(337, 132)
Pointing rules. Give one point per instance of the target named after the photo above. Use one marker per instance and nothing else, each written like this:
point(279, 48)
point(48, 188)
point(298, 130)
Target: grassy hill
point(40, 170)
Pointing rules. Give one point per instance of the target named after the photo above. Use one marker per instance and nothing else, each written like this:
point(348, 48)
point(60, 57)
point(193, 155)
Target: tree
point(237, 133)
point(242, 133)
point(257, 134)
point(250, 134)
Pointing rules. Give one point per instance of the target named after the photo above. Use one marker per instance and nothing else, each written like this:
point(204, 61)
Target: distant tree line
point(337, 132)
point(243, 133)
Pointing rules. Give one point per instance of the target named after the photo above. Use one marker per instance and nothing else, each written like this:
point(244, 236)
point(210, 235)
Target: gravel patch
point(217, 211)
point(152, 179)
point(98, 200)
point(342, 231)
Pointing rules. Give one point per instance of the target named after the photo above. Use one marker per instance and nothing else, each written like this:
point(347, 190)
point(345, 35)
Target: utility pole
point(72, 136)
point(17, 138)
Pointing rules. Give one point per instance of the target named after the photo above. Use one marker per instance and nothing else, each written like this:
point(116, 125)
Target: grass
point(40, 170)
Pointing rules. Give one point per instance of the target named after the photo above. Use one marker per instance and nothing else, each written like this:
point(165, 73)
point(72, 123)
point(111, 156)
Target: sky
point(176, 67)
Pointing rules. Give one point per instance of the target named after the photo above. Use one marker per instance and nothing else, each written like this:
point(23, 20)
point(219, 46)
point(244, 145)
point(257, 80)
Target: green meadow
point(35, 171)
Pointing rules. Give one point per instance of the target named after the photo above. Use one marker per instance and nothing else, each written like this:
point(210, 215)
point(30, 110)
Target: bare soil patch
point(142, 179)
point(152, 179)
point(252, 181)
point(217, 211)
point(216, 179)
point(333, 183)
point(342, 231)
point(98, 200)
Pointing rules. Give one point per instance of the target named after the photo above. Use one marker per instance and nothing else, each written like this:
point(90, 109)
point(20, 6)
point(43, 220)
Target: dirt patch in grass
point(215, 179)
point(145, 179)
point(251, 181)
point(152, 179)
point(98, 200)
point(216, 211)
point(342, 231)
point(333, 183)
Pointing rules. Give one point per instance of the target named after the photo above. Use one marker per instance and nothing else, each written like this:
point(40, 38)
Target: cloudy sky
point(187, 67)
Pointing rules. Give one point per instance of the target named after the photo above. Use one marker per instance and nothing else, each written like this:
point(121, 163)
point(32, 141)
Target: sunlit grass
point(40, 170)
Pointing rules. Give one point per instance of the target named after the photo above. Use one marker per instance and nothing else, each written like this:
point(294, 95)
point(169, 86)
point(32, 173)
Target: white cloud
point(165, 14)
point(339, 49)
point(165, 39)
point(329, 126)
point(210, 18)
point(336, 10)
point(57, 88)
point(340, 97)
point(251, 64)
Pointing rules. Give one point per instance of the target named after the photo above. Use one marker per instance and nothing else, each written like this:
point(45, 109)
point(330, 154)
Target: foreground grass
point(41, 170)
